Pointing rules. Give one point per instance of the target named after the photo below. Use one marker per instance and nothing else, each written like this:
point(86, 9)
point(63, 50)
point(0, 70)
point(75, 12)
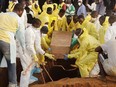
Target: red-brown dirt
point(80, 82)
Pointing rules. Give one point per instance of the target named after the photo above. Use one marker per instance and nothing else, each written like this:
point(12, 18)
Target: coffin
point(60, 43)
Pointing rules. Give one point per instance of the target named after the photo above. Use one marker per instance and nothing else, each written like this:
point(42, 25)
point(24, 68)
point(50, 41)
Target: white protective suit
point(24, 24)
point(24, 18)
point(92, 6)
point(10, 27)
point(33, 41)
point(109, 64)
point(111, 32)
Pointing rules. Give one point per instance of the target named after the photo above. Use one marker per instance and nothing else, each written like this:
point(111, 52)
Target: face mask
point(75, 36)
point(79, 4)
point(43, 35)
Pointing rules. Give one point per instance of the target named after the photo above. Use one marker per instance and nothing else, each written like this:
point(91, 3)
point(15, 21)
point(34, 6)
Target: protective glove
point(37, 70)
point(75, 55)
point(72, 55)
point(74, 51)
point(35, 58)
point(50, 56)
point(65, 56)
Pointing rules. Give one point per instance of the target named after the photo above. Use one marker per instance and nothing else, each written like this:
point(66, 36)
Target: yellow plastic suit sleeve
point(35, 58)
point(44, 43)
point(50, 56)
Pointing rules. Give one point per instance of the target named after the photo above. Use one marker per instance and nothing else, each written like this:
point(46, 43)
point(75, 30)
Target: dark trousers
point(5, 51)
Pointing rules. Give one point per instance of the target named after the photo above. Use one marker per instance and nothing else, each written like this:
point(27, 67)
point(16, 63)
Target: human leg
point(5, 48)
point(100, 61)
point(26, 60)
point(1, 53)
point(1, 56)
point(86, 64)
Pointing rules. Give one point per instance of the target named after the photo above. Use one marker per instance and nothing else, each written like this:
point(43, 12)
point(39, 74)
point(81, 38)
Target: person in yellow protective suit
point(106, 22)
point(44, 44)
point(35, 8)
point(11, 26)
point(75, 23)
point(90, 27)
point(46, 38)
point(55, 10)
point(44, 12)
point(11, 5)
point(51, 25)
point(92, 17)
point(50, 15)
point(44, 18)
point(85, 54)
point(67, 26)
point(46, 15)
point(51, 28)
point(47, 4)
point(60, 20)
point(102, 30)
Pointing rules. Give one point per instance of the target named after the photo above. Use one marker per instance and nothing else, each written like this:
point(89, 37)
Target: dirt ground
point(80, 82)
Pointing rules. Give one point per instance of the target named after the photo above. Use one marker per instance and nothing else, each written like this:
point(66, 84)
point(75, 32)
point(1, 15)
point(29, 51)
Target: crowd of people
point(26, 32)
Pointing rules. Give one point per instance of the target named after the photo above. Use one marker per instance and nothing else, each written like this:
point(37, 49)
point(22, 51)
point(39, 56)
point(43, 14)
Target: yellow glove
point(50, 56)
point(74, 55)
point(74, 51)
point(35, 58)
